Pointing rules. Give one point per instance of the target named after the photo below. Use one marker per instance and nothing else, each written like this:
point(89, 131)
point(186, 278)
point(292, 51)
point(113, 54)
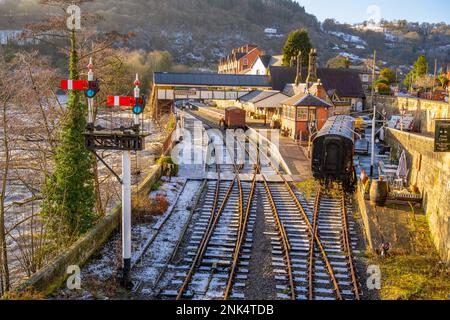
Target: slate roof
point(346, 82)
point(258, 95)
point(306, 100)
point(210, 79)
point(266, 60)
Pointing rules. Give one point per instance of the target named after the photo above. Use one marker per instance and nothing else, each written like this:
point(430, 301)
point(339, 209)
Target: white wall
point(258, 68)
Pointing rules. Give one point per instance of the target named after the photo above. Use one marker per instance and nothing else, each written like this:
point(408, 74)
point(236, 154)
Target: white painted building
point(262, 64)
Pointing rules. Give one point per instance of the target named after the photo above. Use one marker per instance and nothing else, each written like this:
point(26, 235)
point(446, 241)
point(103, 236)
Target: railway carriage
point(333, 151)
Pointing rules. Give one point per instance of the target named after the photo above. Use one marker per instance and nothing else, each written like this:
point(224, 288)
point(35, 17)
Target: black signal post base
point(124, 275)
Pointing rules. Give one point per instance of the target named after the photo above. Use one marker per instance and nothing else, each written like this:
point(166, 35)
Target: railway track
point(218, 249)
point(312, 248)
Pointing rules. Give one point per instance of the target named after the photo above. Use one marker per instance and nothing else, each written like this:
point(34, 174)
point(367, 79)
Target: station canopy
point(211, 80)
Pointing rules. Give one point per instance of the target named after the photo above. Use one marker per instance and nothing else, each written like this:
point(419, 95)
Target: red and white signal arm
point(74, 84)
point(119, 101)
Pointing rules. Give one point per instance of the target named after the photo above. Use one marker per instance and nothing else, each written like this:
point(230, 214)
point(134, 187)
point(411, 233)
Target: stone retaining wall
point(53, 275)
point(424, 111)
point(430, 171)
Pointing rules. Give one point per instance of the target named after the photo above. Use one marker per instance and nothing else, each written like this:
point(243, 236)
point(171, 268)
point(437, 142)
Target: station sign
point(185, 92)
point(442, 136)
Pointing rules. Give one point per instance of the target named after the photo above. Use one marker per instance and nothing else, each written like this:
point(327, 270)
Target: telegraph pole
point(372, 160)
point(373, 75)
point(434, 78)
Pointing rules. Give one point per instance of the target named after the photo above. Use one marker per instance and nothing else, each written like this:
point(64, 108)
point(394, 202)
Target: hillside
point(199, 32)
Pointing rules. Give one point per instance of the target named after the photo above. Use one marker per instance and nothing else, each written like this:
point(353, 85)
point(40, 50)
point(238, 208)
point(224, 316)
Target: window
point(302, 114)
point(365, 78)
point(312, 114)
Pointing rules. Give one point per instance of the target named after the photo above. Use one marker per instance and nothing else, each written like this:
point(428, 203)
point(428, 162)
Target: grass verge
point(415, 274)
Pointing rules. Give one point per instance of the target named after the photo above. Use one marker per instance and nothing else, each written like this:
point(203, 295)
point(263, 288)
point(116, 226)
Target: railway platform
point(295, 159)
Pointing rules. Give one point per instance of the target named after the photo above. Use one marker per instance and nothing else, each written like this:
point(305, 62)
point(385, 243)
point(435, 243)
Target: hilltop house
point(365, 70)
point(240, 60)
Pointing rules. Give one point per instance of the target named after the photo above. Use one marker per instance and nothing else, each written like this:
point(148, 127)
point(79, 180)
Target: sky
point(353, 11)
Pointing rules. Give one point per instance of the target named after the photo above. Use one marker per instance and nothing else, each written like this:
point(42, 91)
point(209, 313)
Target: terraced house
point(240, 60)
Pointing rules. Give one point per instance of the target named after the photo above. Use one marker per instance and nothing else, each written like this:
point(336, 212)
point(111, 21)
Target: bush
point(171, 123)
point(367, 186)
point(156, 186)
point(28, 294)
point(308, 188)
point(383, 88)
point(141, 205)
point(159, 205)
point(168, 160)
point(144, 206)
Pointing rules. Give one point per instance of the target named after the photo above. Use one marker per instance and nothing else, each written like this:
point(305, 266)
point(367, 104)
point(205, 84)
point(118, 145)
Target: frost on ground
point(156, 237)
point(161, 249)
point(23, 197)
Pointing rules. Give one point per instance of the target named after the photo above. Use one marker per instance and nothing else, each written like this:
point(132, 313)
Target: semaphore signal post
point(121, 139)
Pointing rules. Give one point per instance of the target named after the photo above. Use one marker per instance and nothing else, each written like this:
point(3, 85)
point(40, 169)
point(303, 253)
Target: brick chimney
point(298, 78)
point(320, 90)
point(312, 67)
point(291, 63)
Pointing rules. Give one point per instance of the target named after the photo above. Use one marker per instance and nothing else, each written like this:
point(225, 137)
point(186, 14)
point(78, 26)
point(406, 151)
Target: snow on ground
point(142, 163)
point(351, 56)
point(161, 249)
point(160, 235)
point(349, 38)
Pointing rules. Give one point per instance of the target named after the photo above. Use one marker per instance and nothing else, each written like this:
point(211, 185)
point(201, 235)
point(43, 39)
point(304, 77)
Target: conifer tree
point(69, 191)
point(298, 40)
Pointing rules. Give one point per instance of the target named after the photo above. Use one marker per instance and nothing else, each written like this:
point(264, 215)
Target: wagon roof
point(338, 125)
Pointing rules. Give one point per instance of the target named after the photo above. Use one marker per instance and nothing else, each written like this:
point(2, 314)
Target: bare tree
point(5, 100)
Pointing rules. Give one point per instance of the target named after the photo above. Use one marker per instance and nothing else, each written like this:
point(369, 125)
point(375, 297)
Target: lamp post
point(372, 159)
point(402, 113)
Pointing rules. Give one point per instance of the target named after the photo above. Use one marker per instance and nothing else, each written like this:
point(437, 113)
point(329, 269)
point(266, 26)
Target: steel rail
point(348, 248)
point(214, 217)
point(314, 235)
point(213, 220)
point(241, 237)
point(311, 262)
point(284, 238)
point(282, 231)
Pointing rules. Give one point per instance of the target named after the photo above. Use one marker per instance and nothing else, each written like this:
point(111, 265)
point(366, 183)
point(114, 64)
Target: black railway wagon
point(333, 150)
